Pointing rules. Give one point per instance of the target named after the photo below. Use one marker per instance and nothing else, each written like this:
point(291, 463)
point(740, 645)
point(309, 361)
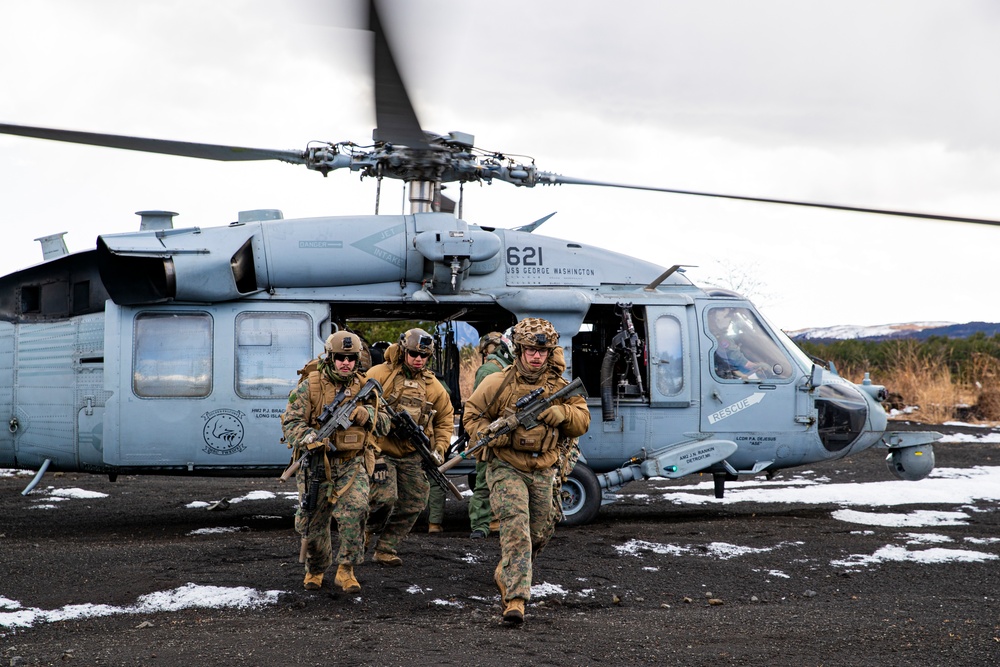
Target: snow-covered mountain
point(919, 330)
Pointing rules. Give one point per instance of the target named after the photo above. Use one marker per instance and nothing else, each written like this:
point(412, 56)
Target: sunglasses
point(345, 357)
point(418, 355)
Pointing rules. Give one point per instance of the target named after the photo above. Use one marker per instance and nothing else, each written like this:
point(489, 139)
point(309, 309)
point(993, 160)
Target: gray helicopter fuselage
point(174, 350)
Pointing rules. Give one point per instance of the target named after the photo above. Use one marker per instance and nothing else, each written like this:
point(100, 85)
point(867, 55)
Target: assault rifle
point(526, 411)
point(404, 428)
point(330, 419)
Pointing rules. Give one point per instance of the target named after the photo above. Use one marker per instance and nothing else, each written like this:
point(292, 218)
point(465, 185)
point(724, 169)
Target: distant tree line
point(968, 360)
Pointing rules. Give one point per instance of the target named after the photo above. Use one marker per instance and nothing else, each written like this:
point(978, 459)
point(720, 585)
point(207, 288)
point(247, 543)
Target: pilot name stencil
point(267, 413)
point(693, 457)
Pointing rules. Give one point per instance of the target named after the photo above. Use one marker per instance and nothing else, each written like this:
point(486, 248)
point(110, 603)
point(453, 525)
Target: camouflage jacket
point(306, 402)
point(526, 450)
point(420, 394)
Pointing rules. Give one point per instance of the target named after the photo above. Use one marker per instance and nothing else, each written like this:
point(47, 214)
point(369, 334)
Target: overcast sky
point(889, 104)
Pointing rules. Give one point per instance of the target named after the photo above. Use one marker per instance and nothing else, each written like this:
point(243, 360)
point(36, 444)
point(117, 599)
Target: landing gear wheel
point(581, 497)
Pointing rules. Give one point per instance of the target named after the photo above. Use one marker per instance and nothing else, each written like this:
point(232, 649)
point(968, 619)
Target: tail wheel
point(581, 497)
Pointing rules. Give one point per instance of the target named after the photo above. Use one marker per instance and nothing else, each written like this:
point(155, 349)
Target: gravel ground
point(650, 582)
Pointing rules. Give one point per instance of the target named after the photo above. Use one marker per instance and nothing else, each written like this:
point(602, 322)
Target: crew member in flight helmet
point(342, 462)
point(730, 362)
point(520, 466)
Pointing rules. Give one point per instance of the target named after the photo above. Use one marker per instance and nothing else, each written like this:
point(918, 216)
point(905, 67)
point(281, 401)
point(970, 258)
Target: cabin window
point(670, 351)
point(270, 349)
point(172, 355)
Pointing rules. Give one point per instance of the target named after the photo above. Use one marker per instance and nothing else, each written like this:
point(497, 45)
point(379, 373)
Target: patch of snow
point(185, 597)
point(916, 519)
point(891, 553)
point(253, 495)
point(218, 530)
point(76, 493)
point(545, 589)
point(927, 538)
point(447, 603)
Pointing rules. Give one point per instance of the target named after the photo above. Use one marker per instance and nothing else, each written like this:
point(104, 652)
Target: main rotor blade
point(163, 146)
point(548, 178)
point(395, 120)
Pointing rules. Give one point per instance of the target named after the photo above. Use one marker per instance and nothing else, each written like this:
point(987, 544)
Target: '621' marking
point(529, 256)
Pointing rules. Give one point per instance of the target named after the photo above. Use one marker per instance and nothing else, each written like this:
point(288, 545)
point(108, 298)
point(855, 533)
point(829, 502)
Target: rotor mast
point(422, 195)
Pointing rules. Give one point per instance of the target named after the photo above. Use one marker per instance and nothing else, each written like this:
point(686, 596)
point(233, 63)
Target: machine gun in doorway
point(626, 344)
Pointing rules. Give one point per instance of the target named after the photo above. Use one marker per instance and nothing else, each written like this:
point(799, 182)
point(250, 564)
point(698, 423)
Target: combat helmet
point(535, 332)
point(417, 340)
point(489, 343)
point(343, 342)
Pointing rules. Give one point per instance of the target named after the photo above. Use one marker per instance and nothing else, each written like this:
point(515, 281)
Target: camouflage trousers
point(400, 499)
point(522, 502)
point(345, 499)
point(480, 513)
point(435, 504)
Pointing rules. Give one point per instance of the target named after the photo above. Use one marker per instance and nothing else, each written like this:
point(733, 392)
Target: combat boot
point(345, 579)
point(385, 558)
point(513, 612)
point(435, 528)
point(500, 586)
point(313, 582)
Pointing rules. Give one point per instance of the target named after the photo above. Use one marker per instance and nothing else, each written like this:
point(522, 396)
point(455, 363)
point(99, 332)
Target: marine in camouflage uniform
point(497, 354)
point(343, 462)
point(409, 385)
point(522, 465)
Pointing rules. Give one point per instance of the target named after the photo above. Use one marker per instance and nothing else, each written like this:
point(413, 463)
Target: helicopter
point(172, 350)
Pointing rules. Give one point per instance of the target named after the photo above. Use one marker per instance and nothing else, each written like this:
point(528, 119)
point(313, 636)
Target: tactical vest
point(351, 439)
point(411, 395)
point(541, 438)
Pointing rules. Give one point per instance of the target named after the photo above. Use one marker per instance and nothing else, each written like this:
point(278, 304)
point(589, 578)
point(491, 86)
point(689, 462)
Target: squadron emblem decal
point(223, 432)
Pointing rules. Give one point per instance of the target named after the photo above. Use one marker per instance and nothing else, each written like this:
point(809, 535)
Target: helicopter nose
point(848, 417)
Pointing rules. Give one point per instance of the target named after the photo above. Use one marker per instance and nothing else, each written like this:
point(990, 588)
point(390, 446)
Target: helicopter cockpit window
point(172, 355)
point(270, 348)
point(744, 350)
